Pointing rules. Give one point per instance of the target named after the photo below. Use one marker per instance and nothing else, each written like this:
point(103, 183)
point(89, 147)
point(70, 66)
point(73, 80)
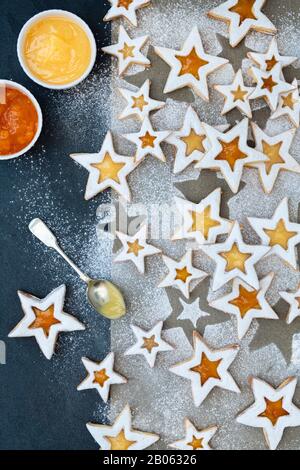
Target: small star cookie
point(106, 170)
point(236, 95)
point(277, 150)
point(243, 16)
point(101, 376)
point(289, 105)
point(207, 369)
point(148, 141)
point(126, 9)
point(195, 439)
point(269, 85)
point(230, 153)
point(44, 319)
point(246, 303)
point(182, 273)
point(278, 233)
point(202, 222)
point(273, 409)
point(293, 299)
point(234, 258)
point(190, 66)
point(139, 102)
point(192, 312)
point(128, 51)
point(136, 248)
point(149, 343)
point(121, 436)
point(271, 58)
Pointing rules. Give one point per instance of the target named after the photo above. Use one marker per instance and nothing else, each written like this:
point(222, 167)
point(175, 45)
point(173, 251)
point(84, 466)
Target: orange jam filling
point(18, 121)
point(119, 442)
point(280, 235)
point(203, 222)
point(239, 94)
point(134, 247)
point(274, 411)
point(244, 8)
point(100, 377)
point(191, 64)
point(273, 154)
point(298, 300)
point(231, 153)
point(288, 101)
point(269, 84)
point(207, 369)
point(148, 140)
point(124, 3)
point(193, 142)
point(44, 319)
point(235, 259)
point(182, 275)
point(246, 301)
point(196, 444)
point(150, 343)
point(108, 169)
point(271, 63)
point(139, 102)
point(127, 51)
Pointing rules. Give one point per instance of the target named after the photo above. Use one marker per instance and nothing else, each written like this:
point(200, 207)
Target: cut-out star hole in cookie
point(207, 369)
point(121, 435)
point(289, 105)
point(101, 376)
point(149, 343)
point(236, 95)
point(139, 102)
point(44, 319)
point(106, 170)
point(243, 16)
point(293, 299)
point(273, 409)
point(126, 9)
point(195, 439)
point(190, 66)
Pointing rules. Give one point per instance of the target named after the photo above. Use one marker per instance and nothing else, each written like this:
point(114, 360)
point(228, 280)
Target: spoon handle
point(44, 234)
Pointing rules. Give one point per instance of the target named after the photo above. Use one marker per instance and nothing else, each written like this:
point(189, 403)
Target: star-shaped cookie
point(190, 66)
point(236, 95)
point(101, 376)
point(195, 439)
point(106, 170)
point(230, 153)
point(243, 16)
point(44, 319)
point(207, 369)
point(126, 9)
point(277, 150)
point(135, 248)
point(269, 85)
point(234, 258)
point(273, 409)
point(289, 105)
point(271, 58)
point(278, 233)
point(182, 273)
point(121, 435)
point(139, 102)
point(202, 222)
point(293, 299)
point(128, 51)
point(191, 311)
point(148, 141)
point(149, 343)
point(246, 303)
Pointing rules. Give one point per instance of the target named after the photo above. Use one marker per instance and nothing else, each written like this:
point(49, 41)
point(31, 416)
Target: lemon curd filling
point(57, 50)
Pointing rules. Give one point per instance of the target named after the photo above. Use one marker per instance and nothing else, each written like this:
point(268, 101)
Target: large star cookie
point(236, 95)
point(126, 9)
point(195, 439)
point(139, 102)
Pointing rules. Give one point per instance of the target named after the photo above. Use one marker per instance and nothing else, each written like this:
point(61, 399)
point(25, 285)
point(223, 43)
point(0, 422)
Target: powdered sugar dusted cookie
point(128, 51)
point(273, 409)
point(195, 439)
point(271, 58)
point(236, 95)
point(207, 369)
point(139, 102)
point(106, 170)
point(289, 105)
point(246, 303)
point(126, 9)
point(281, 235)
point(101, 376)
point(121, 435)
point(190, 66)
point(234, 258)
point(192, 312)
point(44, 319)
point(243, 16)
point(293, 299)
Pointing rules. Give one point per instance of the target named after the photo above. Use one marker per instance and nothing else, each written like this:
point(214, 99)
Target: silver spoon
point(104, 296)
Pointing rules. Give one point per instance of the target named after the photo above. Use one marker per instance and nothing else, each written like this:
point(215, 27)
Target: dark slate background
point(39, 405)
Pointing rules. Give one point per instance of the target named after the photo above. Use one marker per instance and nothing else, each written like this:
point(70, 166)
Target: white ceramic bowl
point(40, 118)
point(63, 14)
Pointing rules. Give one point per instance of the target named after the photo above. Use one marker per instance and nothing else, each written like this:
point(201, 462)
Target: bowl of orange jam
point(56, 49)
point(21, 120)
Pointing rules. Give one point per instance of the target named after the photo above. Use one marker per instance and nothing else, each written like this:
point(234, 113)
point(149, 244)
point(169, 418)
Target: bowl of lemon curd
point(57, 49)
